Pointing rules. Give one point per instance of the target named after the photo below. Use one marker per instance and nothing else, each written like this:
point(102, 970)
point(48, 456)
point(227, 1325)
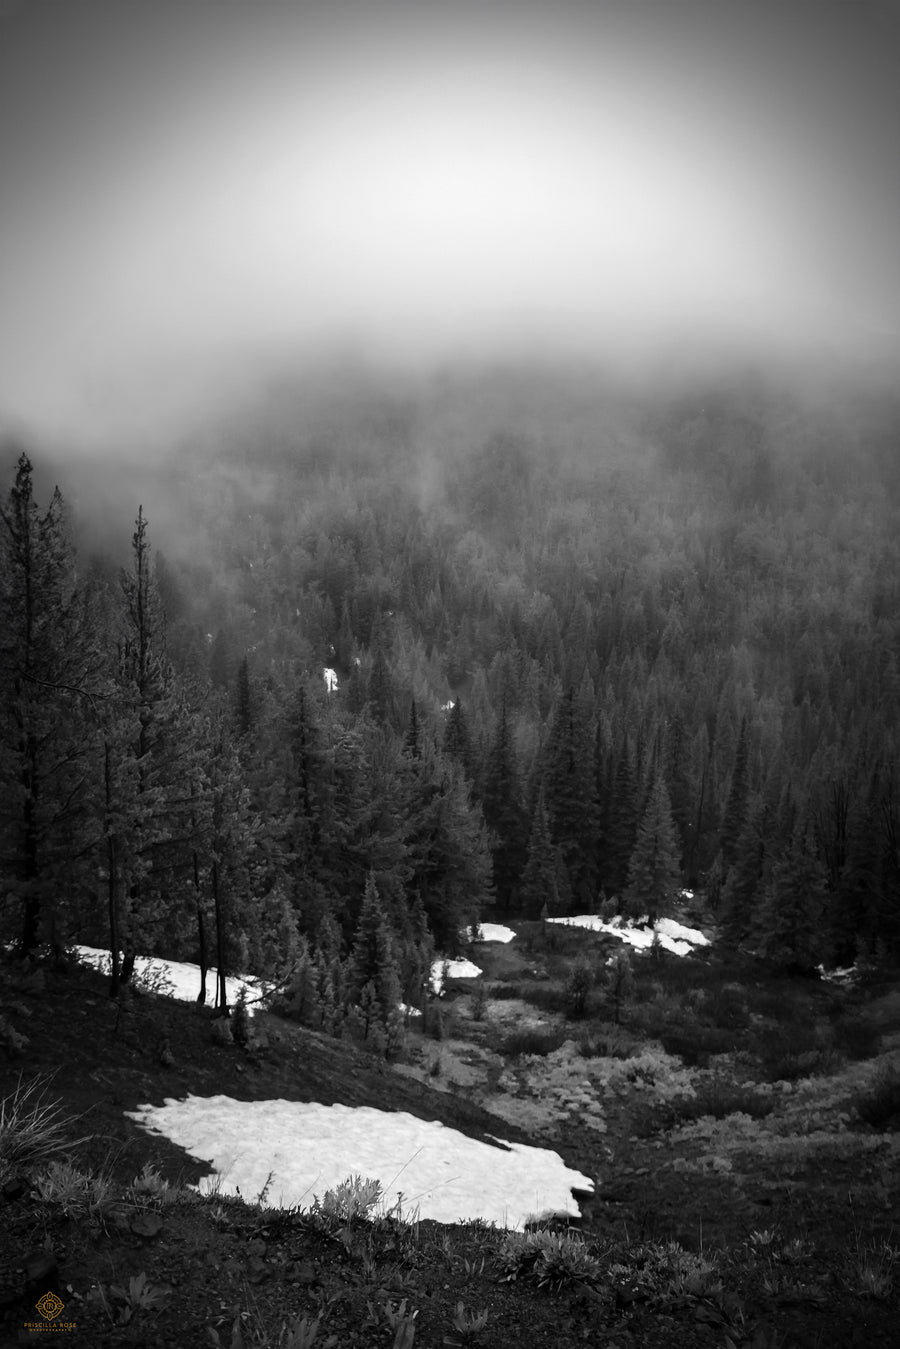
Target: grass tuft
point(32, 1129)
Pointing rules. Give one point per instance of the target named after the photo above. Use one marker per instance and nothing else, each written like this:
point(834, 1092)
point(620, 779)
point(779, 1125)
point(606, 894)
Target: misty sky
point(194, 188)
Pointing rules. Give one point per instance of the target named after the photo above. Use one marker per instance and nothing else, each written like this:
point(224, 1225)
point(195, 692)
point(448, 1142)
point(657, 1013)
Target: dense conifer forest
point(383, 657)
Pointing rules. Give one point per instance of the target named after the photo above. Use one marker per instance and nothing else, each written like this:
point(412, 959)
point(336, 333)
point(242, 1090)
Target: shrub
point(503, 992)
point(879, 1107)
point(612, 1042)
point(551, 1258)
point(240, 1020)
point(695, 1044)
point(787, 1053)
point(352, 1198)
point(532, 1040)
point(578, 987)
point(719, 1099)
point(857, 1037)
point(76, 1193)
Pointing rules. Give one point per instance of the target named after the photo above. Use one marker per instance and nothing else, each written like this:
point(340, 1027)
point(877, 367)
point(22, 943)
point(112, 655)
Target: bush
point(695, 1044)
point(879, 1107)
point(532, 1040)
point(612, 1042)
point(551, 1258)
point(503, 992)
point(719, 1099)
point(857, 1037)
point(787, 1053)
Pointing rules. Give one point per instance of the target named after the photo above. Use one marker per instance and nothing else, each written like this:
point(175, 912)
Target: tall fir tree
point(545, 878)
point(654, 877)
point(504, 813)
point(622, 826)
point(736, 804)
point(794, 936)
point(571, 799)
point(48, 713)
point(373, 956)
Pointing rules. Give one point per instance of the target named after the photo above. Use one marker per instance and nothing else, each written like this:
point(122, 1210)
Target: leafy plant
point(150, 1185)
point(352, 1198)
point(403, 1324)
point(76, 1193)
point(468, 1325)
point(552, 1258)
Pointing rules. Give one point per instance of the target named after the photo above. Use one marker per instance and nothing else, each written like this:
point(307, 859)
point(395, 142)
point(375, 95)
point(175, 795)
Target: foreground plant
point(552, 1258)
point(32, 1129)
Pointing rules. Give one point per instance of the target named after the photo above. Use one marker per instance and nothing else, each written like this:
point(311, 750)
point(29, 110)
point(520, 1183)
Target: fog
point(198, 194)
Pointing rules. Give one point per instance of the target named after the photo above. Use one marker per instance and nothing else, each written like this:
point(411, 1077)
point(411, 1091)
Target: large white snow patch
point(180, 979)
point(673, 936)
point(308, 1148)
point(491, 932)
point(459, 968)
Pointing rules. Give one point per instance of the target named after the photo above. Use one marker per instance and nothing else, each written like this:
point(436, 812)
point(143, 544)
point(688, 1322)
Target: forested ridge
point(585, 657)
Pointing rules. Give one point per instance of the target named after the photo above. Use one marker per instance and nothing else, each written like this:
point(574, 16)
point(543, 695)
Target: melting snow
point(455, 969)
point(491, 932)
point(310, 1148)
point(184, 978)
point(675, 937)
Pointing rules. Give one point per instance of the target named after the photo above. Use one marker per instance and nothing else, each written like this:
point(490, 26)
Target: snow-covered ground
point(309, 1148)
point(491, 932)
point(179, 979)
point(674, 936)
point(460, 968)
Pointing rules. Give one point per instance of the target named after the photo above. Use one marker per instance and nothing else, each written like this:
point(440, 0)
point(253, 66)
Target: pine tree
point(736, 805)
point(457, 744)
point(653, 873)
point(623, 824)
point(244, 712)
point(373, 960)
point(793, 936)
point(48, 713)
point(743, 888)
point(158, 766)
point(571, 800)
point(504, 814)
point(544, 878)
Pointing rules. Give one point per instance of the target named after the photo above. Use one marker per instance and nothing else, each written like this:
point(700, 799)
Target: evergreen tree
point(571, 798)
point(793, 935)
point(742, 892)
point(653, 874)
point(457, 744)
point(736, 805)
point(243, 700)
point(159, 763)
point(544, 879)
point(48, 713)
point(623, 823)
point(373, 961)
point(503, 813)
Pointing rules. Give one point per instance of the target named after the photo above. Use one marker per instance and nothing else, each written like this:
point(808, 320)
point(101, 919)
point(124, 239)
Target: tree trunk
point(221, 994)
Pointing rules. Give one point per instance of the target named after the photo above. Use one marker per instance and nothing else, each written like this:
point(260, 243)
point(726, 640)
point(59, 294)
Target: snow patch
point(455, 969)
point(490, 932)
point(309, 1148)
point(673, 936)
point(183, 977)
